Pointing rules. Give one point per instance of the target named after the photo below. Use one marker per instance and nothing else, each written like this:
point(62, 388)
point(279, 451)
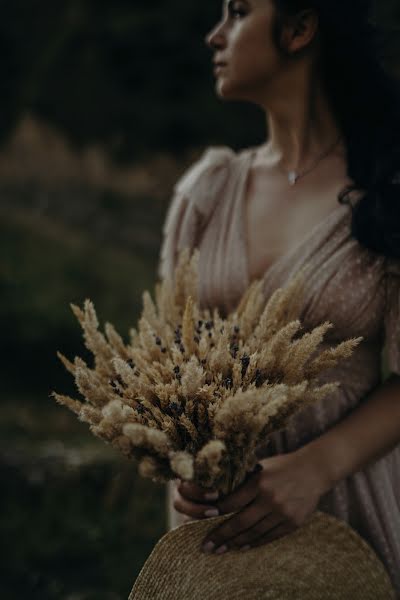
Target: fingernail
point(211, 496)
point(209, 547)
point(221, 550)
point(211, 512)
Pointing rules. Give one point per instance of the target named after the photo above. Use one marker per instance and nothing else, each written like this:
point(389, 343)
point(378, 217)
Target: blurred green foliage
point(80, 534)
point(134, 75)
point(51, 262)
point(74, 530)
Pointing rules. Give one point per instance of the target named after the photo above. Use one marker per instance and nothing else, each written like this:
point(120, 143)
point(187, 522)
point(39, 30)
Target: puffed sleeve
point(194, 197)
point(392, 315)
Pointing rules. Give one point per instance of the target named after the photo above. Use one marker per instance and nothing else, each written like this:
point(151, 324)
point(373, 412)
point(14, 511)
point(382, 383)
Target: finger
point(261, 527)
point(242, 496)
point(278, 532)
point(233, 527)
point(193, 509)
point(187, 519)
point(196, 493)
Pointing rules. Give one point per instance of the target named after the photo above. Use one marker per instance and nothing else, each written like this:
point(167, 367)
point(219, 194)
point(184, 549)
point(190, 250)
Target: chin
point(233, 95)
point(227, 90)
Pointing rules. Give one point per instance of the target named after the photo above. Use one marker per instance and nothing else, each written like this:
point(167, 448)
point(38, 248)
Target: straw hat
point(325, 559)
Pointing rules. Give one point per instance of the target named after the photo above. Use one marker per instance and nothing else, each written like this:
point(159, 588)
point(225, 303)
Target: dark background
point(103, 105)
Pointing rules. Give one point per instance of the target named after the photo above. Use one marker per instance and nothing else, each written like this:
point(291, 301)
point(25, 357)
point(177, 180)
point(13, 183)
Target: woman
point(322, 190)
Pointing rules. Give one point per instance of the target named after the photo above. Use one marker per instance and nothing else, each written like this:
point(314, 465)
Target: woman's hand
point(268, 505)
point(193, 505)
point(195, 502)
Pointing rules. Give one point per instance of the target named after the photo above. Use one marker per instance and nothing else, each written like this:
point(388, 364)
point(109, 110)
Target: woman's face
point(243, 41)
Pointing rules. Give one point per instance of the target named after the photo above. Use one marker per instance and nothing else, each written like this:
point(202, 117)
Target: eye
point(234, 11)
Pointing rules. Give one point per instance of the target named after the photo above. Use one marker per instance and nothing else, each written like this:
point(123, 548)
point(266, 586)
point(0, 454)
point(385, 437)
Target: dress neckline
point(249, 156)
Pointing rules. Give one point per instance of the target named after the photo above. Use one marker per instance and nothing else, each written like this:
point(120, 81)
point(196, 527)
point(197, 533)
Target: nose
point(215, 38)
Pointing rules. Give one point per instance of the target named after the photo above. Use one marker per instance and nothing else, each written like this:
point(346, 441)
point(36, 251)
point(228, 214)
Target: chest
point(310, 228)
point(278, 218)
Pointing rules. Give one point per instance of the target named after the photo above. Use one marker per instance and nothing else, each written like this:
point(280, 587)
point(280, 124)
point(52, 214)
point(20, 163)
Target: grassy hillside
point(78, 521)
point(92, 245)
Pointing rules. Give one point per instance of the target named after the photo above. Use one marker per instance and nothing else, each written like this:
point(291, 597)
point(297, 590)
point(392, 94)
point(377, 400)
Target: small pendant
point(292, 177)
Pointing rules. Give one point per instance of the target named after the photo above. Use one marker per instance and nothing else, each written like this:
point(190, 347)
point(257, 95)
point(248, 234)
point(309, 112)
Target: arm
point(368, 433)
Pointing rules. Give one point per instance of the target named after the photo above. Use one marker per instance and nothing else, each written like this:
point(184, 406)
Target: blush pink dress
point(354, 288)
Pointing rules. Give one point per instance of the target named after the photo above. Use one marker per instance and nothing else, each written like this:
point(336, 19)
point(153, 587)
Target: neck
point(301, 127)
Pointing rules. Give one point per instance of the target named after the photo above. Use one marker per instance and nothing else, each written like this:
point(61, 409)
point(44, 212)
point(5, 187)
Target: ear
point(301, 30)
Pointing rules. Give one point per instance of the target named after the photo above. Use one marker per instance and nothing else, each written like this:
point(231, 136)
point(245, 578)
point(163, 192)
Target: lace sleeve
point(192, 202)
point(392, 315)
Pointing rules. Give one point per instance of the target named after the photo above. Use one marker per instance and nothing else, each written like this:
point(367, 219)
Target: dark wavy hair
point(365, 98)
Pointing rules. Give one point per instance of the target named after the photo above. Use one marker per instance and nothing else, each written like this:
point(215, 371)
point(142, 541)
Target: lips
point(218, 66)
point(218, 62)
point(218, 69)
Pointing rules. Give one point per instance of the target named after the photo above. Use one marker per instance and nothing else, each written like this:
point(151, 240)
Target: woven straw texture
point(323, 560)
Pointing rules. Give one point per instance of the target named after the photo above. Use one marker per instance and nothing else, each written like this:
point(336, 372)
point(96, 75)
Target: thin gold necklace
point(293, 176)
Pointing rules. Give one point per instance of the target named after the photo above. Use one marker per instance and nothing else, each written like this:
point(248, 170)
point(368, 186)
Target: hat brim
point(324, 559)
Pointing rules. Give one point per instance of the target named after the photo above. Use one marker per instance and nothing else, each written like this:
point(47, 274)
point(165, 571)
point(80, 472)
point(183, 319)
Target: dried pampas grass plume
point(194, 395)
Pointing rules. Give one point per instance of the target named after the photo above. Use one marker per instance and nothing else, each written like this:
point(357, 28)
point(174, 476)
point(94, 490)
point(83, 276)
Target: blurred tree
point(134, 76)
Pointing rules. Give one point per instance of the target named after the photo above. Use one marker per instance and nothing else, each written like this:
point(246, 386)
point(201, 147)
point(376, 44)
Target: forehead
point(250, 3)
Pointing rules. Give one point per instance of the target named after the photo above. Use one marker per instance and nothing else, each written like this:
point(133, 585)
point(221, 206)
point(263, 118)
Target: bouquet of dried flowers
point(194, 395)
